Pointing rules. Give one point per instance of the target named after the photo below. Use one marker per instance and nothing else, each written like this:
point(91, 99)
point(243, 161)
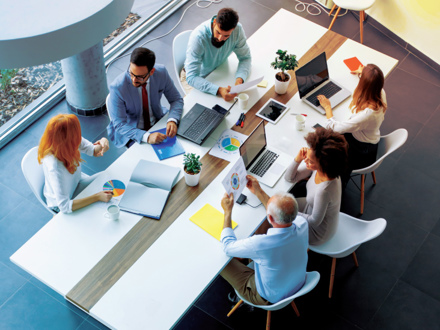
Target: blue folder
point(170, 147)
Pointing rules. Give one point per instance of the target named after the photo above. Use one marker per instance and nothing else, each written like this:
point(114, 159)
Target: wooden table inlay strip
point(133, 245)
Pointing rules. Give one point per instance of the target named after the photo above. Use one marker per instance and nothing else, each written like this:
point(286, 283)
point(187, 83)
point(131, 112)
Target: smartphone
point(317, 125)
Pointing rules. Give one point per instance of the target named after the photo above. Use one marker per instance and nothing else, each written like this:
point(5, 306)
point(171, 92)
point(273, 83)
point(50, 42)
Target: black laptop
point(313, 79)
point(200, 121)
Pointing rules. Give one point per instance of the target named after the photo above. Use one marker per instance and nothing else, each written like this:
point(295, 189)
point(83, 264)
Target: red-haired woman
point(59, 152)
point(361, 130)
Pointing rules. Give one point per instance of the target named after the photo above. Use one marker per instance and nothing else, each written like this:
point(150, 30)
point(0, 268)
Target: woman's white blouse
point(364, 125)
point(59, 184)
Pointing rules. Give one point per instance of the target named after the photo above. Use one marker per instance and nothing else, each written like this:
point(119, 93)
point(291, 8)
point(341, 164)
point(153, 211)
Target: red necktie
point(145, 108)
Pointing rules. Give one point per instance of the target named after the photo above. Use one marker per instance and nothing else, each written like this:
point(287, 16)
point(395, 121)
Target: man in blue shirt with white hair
point(210, 44)
point(280, 256)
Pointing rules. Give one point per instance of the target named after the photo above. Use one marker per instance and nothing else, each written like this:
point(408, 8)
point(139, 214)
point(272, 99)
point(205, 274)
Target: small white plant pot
point(192, 179)
point(281, 86)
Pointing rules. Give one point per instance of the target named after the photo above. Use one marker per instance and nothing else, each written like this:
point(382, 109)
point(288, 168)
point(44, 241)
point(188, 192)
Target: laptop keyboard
point(328, 91)
point(201, 123)
point(263, 164)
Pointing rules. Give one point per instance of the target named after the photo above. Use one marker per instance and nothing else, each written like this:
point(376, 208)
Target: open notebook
point(149, 187)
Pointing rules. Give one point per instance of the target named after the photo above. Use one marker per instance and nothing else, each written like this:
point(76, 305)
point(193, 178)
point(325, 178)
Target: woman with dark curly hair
point(325, 160)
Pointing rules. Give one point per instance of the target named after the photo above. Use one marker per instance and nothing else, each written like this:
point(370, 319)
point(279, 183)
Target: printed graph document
point(149, 187)
point(169, 147)
point(227, 145)
point(246, 85)
point(210, 220)
point(235, 180)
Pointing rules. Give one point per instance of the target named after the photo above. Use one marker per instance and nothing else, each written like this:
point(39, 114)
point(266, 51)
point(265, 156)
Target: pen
point(241, 117)
point(295, 114)
point(242, 123)
point(239, 120)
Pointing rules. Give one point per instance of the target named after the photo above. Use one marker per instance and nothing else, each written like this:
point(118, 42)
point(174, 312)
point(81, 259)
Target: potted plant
point(284, 62)
point(192, 168)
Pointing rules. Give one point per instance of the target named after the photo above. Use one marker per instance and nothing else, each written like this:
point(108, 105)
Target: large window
point(27, 93)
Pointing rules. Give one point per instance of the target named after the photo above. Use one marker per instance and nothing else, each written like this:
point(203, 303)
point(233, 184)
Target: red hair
point(368, 92)
point(62, 139)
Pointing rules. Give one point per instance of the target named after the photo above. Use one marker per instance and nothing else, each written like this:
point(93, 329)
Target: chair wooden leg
point(295, 308)
point(362, 192)
point(332, 278)
point(268, 320)
point(374, 177)
point(361, 22)
point(355, 259)
point(334, 18)
point(235, 308)
point(331, 11)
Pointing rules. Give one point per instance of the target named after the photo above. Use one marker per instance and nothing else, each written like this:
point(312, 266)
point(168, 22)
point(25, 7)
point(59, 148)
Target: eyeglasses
point(138, 77)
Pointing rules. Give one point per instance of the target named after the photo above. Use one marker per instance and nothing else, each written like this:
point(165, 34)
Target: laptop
point(200, 121)
point(261, 162)
point(313, 80)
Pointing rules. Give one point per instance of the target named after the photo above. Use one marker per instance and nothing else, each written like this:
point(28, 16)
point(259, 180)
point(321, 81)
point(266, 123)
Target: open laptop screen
point(253, 145)
point(311, 75)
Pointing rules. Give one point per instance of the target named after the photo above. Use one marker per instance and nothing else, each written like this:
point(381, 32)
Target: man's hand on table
point(171, 129)
point(224, 93)
point(156, 138)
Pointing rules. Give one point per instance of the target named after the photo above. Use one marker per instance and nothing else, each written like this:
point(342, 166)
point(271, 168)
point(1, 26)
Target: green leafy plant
point(192, 163)
point(284, 62)
point(6, 76)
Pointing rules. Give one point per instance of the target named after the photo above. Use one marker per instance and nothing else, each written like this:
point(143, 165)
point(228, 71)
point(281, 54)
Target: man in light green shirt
point(210, 44)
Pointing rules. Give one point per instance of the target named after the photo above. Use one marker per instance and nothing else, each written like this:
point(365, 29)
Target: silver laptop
point(313, 80)
point(261, 162)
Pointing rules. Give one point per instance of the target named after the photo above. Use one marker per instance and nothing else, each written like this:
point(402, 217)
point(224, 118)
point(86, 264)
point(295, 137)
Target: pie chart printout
point(230, 144)
point(235, 181)
point(115, 186)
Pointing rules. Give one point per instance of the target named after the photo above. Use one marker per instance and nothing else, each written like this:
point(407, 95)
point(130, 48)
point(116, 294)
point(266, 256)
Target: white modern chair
point(312, 279)
point(350, 234)
point(387, 144)
point(180, 44)
point(358, 5)
point(33, 172)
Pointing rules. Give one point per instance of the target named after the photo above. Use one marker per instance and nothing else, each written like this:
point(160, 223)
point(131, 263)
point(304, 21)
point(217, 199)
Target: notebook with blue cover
point(170, 147)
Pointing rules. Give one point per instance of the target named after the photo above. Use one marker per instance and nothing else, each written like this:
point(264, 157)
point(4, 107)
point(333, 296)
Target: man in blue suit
point(134, 102)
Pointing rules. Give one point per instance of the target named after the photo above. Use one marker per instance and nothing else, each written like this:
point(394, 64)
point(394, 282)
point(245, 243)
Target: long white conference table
point(156, 289)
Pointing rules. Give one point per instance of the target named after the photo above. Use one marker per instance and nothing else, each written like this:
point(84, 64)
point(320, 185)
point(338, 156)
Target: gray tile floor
point(396, 285)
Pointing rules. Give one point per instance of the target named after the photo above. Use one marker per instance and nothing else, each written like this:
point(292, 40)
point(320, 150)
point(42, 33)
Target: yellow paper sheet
point(210, 220)
point(263, 84)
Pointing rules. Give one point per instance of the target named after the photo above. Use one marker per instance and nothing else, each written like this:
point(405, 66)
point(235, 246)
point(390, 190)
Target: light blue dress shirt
point(280, 258)
point(202, 57)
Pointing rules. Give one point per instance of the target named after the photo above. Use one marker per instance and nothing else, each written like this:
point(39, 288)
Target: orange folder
point(353, 63)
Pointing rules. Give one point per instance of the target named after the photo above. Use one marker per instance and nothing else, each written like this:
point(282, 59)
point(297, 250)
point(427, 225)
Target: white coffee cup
point(300, 122)
point(112, 212)
point(242, 100)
